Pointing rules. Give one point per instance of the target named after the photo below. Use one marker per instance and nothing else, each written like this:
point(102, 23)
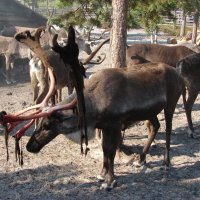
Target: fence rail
point(179, 15)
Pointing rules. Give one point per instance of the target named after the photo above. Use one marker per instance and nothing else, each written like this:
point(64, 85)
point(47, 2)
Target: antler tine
point(38, 32)
point(45, 112)
point(87, 60)
point(99, 60)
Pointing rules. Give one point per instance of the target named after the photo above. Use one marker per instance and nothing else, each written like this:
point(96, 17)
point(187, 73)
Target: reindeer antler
point(89, 58)
point(33, 42)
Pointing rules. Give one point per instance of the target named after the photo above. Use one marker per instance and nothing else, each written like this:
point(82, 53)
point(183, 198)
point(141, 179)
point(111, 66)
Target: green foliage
point(187, 6)
point(84, 13)
point(173, 30)
point(149, 15)
point(88, 13)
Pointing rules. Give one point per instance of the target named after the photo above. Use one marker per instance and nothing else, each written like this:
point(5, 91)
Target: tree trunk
point(119, 33)
point(183, 25)
point(195, 26)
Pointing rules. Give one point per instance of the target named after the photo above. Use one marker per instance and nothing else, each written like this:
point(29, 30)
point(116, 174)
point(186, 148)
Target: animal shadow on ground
point(66, 182)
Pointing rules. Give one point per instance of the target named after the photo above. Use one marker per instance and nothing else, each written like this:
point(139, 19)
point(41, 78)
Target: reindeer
point(171, 55)
point(146, 90)
point(142, 53)
point(11, 50)
point(189, 69)
point(62, 73)
point(37, 70)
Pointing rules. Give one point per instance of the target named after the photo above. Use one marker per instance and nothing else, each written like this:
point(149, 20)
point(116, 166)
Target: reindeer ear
point(71, 34)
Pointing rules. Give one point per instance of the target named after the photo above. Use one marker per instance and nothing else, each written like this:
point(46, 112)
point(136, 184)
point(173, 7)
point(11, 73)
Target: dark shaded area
point(12, 13)
point(21, 70)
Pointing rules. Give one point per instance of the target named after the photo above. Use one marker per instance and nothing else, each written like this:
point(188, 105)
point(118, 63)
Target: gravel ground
point(59, 171)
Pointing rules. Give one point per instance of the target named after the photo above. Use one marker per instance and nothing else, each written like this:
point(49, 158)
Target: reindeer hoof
point(138, 163)
point(13, 81)
point(190, 133)
point(8, 82)
point(100, 178)
point(165, 167)
point(105, 186)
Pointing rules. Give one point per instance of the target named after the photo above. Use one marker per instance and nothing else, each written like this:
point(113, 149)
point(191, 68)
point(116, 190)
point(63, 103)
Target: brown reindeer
point(146, 91)
point(141, 53)
point(189, 68)
point(62, 73)
point(11, 50)
point(40, 80)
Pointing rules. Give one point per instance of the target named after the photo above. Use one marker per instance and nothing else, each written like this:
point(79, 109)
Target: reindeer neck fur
point(76, 135)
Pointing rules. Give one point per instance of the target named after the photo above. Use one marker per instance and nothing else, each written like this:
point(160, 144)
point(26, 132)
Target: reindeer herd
point(113, 98)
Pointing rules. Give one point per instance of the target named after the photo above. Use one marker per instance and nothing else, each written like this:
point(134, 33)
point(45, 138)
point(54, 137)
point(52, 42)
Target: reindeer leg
point(110, 142)
point(184, 97)
point(54, 98)
point(98, 133)
point(35, 88)
point(153, 125)
point(42, 93)
point(43, 85)
point(168, 112)
point(192, 95)
point(59, 91)
point(8, 81)
point(12, 74)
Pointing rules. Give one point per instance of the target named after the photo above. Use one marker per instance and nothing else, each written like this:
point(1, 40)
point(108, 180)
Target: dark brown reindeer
point(146, 91)
point(189, 68)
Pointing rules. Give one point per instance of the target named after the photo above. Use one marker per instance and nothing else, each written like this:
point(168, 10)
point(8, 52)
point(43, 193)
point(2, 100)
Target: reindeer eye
point(46, 125)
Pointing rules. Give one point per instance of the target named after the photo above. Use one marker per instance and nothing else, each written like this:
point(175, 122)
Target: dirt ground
point(59, 171)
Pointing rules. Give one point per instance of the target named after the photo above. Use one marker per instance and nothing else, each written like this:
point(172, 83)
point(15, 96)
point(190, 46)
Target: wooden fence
point(179, 14)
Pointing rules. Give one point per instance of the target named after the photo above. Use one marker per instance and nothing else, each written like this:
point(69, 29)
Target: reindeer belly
point(135, 110)
point(150, 99)
point(144, 113)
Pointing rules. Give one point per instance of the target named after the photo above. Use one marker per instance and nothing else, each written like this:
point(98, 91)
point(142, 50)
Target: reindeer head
point(61, 122)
